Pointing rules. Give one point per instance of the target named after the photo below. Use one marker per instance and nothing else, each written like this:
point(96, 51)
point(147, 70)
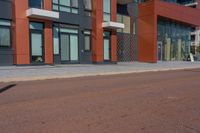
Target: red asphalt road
point(157, 102)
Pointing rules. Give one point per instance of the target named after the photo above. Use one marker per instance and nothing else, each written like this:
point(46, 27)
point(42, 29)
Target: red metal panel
point(148, 14)
point(147, 33)
point(97, 33)
point(48, 5)
point(178, 12)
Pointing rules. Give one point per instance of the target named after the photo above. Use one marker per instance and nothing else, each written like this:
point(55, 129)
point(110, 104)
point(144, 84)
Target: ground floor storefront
point(174, 41)
point(154, 35)
point(45, 42)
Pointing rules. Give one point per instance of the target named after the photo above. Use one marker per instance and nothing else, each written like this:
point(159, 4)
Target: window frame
point(61, 26)
point(37, 30)
point(42, 6)
point(10, 33)
point(90, 40)
point(70, 7)
point(88, 11)
point(121, 18)
point(106, 13)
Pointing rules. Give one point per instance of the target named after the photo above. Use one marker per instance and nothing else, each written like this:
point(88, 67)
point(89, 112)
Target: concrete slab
point(27, 73)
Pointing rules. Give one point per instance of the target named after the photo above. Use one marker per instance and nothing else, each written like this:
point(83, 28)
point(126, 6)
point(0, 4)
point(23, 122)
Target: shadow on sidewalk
point(7, 88)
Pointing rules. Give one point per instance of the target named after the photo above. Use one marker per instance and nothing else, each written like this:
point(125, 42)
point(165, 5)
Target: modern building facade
point(36, 32)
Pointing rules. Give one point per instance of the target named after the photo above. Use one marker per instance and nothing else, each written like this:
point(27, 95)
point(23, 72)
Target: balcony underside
point(42, 14)
point(112, 25)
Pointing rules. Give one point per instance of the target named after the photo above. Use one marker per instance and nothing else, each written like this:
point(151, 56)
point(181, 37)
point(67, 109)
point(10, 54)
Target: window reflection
point(173, 41)
point(36, 4)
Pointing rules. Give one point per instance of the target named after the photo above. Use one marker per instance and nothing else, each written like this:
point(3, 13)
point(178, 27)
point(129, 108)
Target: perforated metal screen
point(125, 47)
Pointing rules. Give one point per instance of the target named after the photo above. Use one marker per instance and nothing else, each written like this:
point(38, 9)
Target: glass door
point(106, 49)
point(73, 48)
point(65, 47)
point(69, 47)
point(107, 46)
point(37, 55)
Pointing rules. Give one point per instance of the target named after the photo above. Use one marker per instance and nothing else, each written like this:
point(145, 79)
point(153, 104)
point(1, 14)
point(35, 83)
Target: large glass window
point(174, 40)
point(106, 10)
point(36, 3)
point(126, 20)
point(70, 6)
point(5, 33)
point(56, 40)
point(36, 26)
point(88, 7)
point(87, 40)
point(65, 38)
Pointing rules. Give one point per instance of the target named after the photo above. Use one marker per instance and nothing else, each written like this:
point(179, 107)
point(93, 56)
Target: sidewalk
point(28, 73)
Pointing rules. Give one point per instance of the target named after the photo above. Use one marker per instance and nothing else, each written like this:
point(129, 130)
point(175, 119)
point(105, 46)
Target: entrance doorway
point(66, 44)
point(36, 43)
point(69, 48)
point(107, 47)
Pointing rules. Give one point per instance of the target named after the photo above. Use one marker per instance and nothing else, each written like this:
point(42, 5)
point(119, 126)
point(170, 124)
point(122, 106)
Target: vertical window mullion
point(88, 7)
point(70, 6)
point(58, 5)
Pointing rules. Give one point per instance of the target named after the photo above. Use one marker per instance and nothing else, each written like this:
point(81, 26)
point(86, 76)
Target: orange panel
point(147, 33)
point(114, 46)
point(97, 33)
point(113, 33)
point(47, 5)
point(21, 33)
point(48, 36)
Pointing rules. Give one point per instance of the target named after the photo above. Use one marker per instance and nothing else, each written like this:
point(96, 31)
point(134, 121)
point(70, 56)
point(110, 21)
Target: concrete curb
point(48, 77)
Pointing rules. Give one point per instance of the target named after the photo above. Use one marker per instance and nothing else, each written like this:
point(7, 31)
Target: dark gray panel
point(6, 9)
point(57, 59)
point(84, 23)
point(86, 58)
point(75, 19)
point(6, 57)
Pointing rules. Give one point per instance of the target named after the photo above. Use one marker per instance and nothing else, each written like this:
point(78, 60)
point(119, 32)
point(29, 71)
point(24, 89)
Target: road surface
point(155, 102)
